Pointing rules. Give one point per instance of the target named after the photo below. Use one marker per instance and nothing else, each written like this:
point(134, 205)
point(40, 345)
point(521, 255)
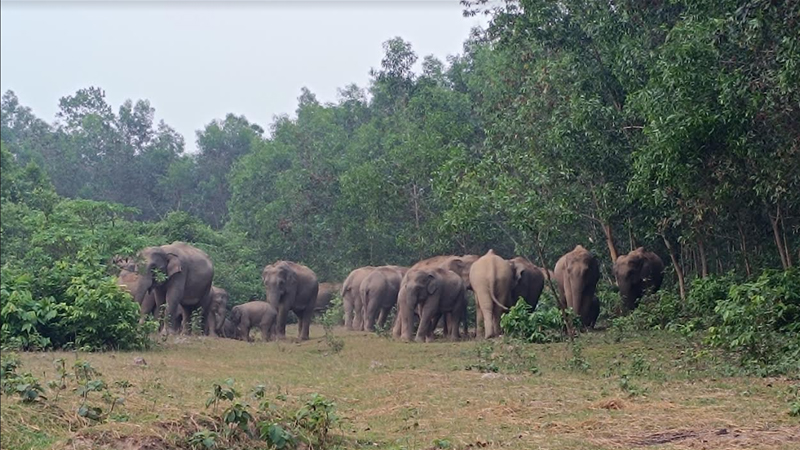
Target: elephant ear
point(433, 284)
point(173, 264)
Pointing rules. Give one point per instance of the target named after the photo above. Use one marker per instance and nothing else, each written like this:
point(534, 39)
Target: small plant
point(276, 435)
point(85, 410)
point(203, 439)
point(84, 370)
point(123, 384)
point(317, 416)
point(196, 321)
point(28, 388)
point(627, 386)
point(442, 443)
point(545, 325)
point(329, 320)
point(221, 392)
point(237, 416)
point(639, 365)
point(577, 361)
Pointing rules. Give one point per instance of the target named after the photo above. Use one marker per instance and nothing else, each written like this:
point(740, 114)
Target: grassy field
point(637, 392)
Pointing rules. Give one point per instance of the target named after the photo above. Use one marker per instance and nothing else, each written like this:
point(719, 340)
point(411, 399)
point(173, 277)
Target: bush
point(542, 326)
point(82, 307)
point(760, 322)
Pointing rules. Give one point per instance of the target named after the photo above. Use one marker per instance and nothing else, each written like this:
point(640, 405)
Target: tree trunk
point(677, 266)
point(703, 259)
point(612, 249)
point(785, 242)
point(743, 243)
point(631, 238)
point(778, 242)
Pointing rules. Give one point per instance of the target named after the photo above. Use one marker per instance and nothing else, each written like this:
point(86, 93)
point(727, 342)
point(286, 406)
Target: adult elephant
point(130, 281)
point(577, 274)
point(325, 295)
point(436, 291)
point(636, 273)
point(492, 279)
point(244, 317)
point(379, 294)
point(528, 281)
point(180, 276)
point(351, 298)
point(291, 287)
point(458, 264)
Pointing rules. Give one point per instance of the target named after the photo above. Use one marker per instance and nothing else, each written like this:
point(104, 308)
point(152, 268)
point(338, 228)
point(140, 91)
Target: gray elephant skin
point(131, 282)
point(325, 296)
point(379, 294)
point(636, 273)
point(188, 275)
point(459, 264)
point(577, 274)
point(435, 291)
point(351, 298)
point(291, 287)
point(256, 314)
point(492, 279)
point(528, 281)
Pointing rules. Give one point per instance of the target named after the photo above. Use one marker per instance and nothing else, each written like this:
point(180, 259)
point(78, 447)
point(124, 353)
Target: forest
point(668, 125)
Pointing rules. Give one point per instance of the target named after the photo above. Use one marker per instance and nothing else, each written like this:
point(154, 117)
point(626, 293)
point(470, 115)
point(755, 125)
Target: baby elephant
point(258, 314)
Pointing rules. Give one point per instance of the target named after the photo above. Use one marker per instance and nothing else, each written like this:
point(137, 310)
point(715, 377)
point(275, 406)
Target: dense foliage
point(673, 125)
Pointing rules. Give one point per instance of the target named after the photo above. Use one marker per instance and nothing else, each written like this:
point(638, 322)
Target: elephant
point(325, 295)
point(577, 274)
point(492, 280)
point(229, 329)
point(636, 273)
point(187, 275)
point(436, 291)
point(132, 282)
point(248, 315)
point(351, 298)
point(379, 294)
point(291, 286)
point(219, 307)
point(528, 281)
point(594, 312)
point(458, 264)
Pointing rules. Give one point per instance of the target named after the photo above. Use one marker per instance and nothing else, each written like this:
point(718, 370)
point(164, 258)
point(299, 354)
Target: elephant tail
point(492, 284)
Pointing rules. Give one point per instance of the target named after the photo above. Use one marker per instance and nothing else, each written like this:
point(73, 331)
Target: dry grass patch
point(397, 395)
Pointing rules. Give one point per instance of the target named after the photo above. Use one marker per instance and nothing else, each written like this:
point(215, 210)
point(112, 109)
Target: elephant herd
point(429, 293)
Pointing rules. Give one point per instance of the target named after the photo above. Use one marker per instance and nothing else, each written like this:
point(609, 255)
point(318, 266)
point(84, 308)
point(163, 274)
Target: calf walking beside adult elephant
point(636, 273)
point(291, 286)
point(438, 292)
point(577, 274)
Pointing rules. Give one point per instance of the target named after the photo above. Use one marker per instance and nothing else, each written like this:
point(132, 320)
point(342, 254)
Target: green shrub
point(542, 326)
point(83, 307)
point(760, 322)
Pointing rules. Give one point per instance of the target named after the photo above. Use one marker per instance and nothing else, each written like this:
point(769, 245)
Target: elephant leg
point(244, 330)
point(348, 312)
point(479, 328)
point(452, 322)
point(397, 328)
point(426, 321)
point(174, 295)
point(382, 317)
point(280, 324)
point(305, 322)
point(358, 320)
point(488, 319)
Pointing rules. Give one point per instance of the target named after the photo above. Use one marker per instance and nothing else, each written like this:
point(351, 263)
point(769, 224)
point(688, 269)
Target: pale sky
point(199, 60)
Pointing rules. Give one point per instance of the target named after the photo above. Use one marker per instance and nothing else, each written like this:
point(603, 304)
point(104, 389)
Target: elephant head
point(635, 273)
point(280, 283)
point(218, 306)
point(461, 265)
point(418, 287)
point(157, 263)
